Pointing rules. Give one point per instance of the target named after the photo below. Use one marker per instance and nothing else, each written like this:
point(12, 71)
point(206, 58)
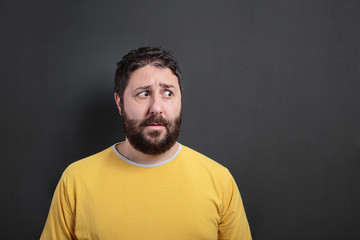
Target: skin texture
point(151, 91)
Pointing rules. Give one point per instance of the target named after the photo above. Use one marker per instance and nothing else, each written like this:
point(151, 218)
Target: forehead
point(151, 75)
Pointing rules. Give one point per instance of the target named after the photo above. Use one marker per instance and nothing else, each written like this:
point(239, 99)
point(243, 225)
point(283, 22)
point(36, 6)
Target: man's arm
point(60, 221)
point(233, 224)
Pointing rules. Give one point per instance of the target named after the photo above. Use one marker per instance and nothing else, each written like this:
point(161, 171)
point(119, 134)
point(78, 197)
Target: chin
point(153, 138)
point(157, 134)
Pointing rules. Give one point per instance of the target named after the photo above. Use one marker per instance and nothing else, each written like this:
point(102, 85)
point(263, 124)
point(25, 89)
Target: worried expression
point(151, 109)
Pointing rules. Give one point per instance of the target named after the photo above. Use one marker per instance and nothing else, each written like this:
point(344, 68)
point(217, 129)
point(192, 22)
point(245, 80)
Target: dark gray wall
point(271, 91)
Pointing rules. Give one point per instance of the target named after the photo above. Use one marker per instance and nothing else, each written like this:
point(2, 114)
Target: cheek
point(134, 111)
point(137, 112)
point(175, 110)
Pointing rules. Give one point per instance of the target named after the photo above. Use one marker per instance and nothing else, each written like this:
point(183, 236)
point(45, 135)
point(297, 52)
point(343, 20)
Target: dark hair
point(135, 59)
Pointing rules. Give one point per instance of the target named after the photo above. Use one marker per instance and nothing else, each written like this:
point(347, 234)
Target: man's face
point(152, 109)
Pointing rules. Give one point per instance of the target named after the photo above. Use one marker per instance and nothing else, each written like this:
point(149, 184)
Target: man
point(148, 186)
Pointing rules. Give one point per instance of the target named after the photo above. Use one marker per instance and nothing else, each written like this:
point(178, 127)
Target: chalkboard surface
point(271, 91)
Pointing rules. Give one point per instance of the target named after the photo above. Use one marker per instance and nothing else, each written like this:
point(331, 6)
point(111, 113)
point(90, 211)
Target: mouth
point(155, 123)
point(155, 126)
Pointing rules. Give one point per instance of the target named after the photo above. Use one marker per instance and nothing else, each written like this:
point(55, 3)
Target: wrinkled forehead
point(153, 75)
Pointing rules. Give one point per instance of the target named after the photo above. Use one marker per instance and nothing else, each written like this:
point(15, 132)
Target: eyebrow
point(143, 87)
point(164, 85)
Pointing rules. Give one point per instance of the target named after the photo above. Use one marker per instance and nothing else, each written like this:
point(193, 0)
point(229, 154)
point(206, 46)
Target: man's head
point(148, 95)
point(141, 57)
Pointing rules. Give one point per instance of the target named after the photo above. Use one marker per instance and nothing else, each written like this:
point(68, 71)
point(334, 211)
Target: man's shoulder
point(90, 163)
point(196, 158)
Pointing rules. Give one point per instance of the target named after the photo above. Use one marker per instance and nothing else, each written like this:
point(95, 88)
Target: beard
point(151, 143)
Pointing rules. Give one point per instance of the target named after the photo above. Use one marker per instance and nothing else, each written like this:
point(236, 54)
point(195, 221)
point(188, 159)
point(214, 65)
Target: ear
point(118, 102)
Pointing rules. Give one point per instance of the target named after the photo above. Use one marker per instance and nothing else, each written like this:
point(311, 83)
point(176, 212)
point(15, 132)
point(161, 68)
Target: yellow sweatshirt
point(106, 196)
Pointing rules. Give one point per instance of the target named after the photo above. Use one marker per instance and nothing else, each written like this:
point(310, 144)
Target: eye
point(168, 94)
point(143, 94)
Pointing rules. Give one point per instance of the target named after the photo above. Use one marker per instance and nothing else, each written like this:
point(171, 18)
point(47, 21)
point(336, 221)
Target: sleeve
point(233, 224)
point(60, 221)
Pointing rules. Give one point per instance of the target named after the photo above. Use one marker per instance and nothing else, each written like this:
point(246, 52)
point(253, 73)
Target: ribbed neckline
point(145, 165)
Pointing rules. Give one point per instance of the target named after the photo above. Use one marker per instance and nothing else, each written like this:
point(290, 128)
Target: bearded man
point(149, 186)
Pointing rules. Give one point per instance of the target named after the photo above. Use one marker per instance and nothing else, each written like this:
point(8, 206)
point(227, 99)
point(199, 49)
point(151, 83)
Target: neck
point(128, 151)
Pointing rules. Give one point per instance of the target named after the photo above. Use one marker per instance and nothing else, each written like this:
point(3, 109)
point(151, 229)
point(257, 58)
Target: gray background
point(271, 91)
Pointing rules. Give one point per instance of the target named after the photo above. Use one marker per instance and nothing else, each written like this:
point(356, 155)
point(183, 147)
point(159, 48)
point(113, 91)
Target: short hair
point(135, 59)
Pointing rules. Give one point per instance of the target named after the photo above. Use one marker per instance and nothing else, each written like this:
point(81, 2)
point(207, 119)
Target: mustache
point(156, 120)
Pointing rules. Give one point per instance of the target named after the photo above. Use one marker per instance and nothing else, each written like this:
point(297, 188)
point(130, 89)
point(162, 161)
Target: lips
point(154, 121)
point(155, 124)
point(155, 127)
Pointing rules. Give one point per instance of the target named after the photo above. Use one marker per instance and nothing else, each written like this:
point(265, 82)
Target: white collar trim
point(142, 164)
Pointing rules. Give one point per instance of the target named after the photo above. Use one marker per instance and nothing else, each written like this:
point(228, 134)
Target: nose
point(156, 107)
